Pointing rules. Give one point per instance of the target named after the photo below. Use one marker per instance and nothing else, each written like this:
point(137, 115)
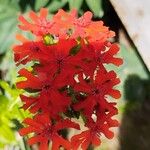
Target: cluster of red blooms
point(69, 78)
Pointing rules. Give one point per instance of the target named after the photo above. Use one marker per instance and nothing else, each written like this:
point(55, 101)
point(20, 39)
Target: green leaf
point(49, 40)
point(3, 103)
point(56, 4)
point(40, 3)
point(96, 7)
point(8, 23)
point(6, 133)
point(75, 4)
point(75, 50)
point(10, 104)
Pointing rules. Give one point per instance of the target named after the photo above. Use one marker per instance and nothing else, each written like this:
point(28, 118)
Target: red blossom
point(80, 24)
point(96, 54)
point(46, 131)
point(101, 125)
point(58, 57)
point(29, 51)
point(49, 98)
point(39, 26)
point(84, 27)
point(106, 56)
point(68, 79)
point(96, 92)
point(64, 30)
point(75, 27)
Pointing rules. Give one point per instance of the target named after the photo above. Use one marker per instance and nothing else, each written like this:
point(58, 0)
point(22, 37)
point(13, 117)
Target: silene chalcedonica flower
point(69, 78)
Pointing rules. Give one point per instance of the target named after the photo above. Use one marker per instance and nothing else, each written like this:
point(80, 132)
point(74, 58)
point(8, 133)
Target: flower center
point(60, 61)
point(47, 132)
point(47, 86)
point(95, 91)
point(34, 48)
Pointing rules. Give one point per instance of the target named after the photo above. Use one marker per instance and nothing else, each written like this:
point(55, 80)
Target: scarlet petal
point(109, 134)
point(43, 119)
point(78, 140)
point(27, 130)
point(43, 13)
point(28, 101)
point(67, 124)
point(117, 61)
point(23, 20)
point(96, 141)
point(25, 23)
point(23, 27)
point(36, 139)
point(115, 93)
point(33, 16)
point(108, 57)
point(35, 108)
point(58, 141)
point(114, 49)
point(85, 143)
point(32, 122)
point(31, 82)
point(44, 145)
point(113, 123)
point(21, 38)
point(88, 15)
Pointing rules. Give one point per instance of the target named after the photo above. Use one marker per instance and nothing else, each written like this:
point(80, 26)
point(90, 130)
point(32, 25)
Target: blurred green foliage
point(10, 114)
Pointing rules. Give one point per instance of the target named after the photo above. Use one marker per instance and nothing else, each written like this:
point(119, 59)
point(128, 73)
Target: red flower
point(49, 97)
point(92, 135)
point(84, 27)
point(95, 55)
point(50, 102)
point(46, 132)
point(80, 24)
point(69, 77)
point(75, 27)
point(31, 81)
point(84, 57)
point(30, 51)
point(96, 91)
point(59, 56)
point(106, 56)
point(54, 57)
point(96, 31)
point(39, 26)
point(64, 23)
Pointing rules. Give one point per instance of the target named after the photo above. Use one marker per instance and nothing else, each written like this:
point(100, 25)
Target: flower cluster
point(69, 78)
